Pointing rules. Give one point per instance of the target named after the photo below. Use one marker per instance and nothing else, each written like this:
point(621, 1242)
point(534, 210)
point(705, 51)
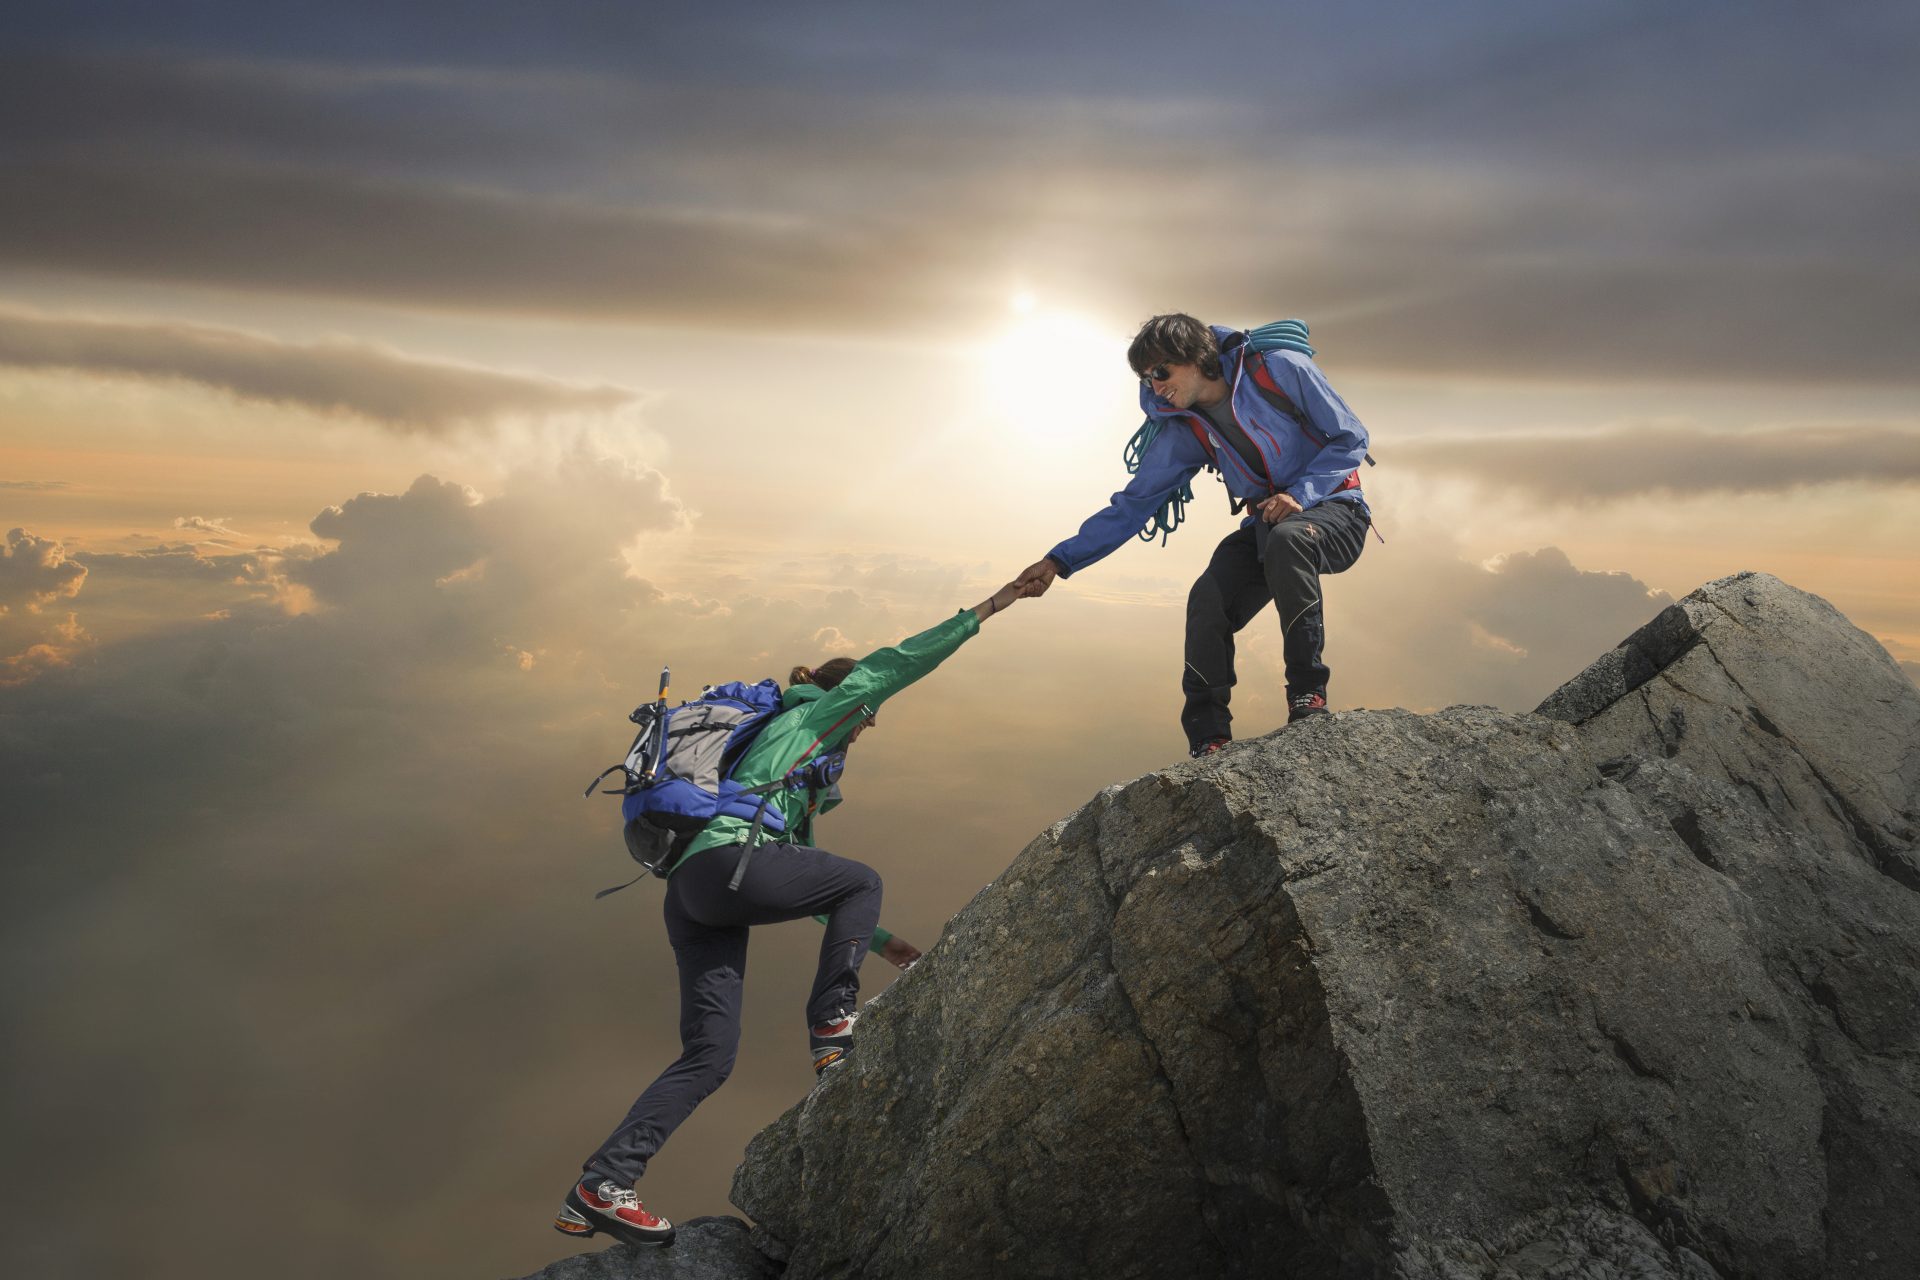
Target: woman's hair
point(826, 675)
point(1174, 339)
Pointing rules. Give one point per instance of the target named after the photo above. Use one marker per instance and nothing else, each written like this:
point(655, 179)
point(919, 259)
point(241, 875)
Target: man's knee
point(1293, 561)
point(1293, 537)
point(1205, 600)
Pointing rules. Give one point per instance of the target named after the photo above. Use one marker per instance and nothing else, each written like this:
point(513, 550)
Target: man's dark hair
point(1174, 339)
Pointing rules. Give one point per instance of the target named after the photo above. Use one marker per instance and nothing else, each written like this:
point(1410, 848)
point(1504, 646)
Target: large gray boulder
point(1626, 988)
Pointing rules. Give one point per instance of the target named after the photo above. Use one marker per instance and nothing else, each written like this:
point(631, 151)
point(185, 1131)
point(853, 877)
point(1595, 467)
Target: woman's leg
point(712, 962)
point(787, 882)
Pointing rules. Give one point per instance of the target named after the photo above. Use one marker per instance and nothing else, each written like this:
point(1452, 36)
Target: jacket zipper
point(1239, 372)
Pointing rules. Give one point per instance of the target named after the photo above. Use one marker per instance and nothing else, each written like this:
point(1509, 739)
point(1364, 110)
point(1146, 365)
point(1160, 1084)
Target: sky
point(388, 391)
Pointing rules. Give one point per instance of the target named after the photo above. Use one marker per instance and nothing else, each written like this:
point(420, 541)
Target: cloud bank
point(1647, 210)
point(1682, 459)
point(398, 392)
point(35, 572)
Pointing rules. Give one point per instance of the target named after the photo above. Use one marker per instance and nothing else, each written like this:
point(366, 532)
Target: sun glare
point(1052, 374)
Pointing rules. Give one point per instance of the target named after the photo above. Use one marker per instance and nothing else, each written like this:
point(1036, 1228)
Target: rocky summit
point(1623, 988)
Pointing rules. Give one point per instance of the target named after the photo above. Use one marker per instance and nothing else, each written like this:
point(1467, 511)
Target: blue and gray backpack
point(679, 772)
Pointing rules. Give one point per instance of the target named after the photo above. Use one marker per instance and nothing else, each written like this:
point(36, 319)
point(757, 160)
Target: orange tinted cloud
point(35, 572)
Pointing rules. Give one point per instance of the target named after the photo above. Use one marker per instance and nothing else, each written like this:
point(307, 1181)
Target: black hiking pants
point(707, 924)
point(1253, 565)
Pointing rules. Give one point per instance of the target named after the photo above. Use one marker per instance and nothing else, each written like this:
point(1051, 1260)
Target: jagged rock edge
point(1879, 856)
point(1250, 838)
point(1114, 899)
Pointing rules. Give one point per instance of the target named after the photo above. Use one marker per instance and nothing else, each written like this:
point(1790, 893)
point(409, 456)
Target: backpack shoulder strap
point(1278, 400)
point(1269, 389)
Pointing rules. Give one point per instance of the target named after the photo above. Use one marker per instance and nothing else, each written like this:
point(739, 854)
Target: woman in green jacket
point(712, 900)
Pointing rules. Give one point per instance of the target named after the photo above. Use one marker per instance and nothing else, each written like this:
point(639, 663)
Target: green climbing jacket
point(813, 720)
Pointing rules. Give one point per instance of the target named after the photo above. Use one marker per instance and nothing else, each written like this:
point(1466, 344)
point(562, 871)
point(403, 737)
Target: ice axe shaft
point(660, 719)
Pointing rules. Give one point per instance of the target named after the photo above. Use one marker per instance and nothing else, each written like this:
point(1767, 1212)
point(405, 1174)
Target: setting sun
point(1049, 380)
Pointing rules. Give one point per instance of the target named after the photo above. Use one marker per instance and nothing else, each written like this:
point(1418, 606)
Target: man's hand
point(1037, 577)
point(1278, 508)
point(898, 951)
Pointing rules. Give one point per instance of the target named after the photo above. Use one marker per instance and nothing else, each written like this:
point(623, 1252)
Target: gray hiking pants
point(1254, 565)
point(707, 924)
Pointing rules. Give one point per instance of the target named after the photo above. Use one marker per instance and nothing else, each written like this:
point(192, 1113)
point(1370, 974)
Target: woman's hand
point(898, 951)
point(1001, 599)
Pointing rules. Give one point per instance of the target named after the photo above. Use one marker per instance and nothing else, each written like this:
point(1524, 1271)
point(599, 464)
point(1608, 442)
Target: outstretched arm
point(885, 672)
point(1170, 461)
point(1001, 599)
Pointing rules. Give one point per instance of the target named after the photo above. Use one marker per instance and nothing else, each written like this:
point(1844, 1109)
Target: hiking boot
point(603, 1205)
point(1208, 747)
point(829, 1041)
point(1302, 705)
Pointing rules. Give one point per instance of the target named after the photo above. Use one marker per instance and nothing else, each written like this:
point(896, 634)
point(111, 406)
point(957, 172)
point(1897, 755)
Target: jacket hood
point(795, 694)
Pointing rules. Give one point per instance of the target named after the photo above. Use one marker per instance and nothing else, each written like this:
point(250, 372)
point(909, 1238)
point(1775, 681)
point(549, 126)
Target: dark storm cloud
point(338, 114)
point(1689, 318)
point(1637, 191)
point(1631, 461)
point(396, 391)
point(417, 245)
point(1453, 289)
point(1631, 84)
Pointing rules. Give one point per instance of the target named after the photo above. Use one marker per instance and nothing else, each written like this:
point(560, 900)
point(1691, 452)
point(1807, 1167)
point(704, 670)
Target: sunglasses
point(1159, 373)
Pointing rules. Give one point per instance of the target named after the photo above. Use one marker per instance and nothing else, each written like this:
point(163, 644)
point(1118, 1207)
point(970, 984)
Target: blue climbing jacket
point(1309, 442)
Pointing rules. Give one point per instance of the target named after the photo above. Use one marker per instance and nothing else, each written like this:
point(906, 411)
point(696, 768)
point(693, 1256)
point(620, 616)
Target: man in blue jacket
point(1289, 451)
